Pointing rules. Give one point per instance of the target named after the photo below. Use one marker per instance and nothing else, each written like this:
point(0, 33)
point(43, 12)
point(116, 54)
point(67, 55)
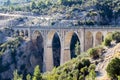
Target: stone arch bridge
point(87, 36)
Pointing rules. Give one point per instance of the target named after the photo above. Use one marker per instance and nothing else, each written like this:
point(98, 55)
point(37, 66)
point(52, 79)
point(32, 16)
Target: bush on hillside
point(93, 53)
point(116, 36)
point(107, 40)
point(113, 68)
point(37, 74)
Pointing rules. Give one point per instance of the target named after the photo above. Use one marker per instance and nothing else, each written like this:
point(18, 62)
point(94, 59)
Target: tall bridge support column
point(65, 51)
point(48, 55)
point(82, 40)
point(94, 39)
point(48, 58)
point(62, 48)
point(29, 34)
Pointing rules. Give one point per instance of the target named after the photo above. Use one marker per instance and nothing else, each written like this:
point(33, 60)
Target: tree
point(92, 66)
point(118, 77)
point(61, 1)
point(37, 75)
point(8, 2)
point(17, 76)
point(28, 77)
point(93, 53)
point(84, 70)
point(108, 39)
point(77, 48)
point(92, 75)
point(116, 36)
point(113, 68)
point(107, 42)
point(81, 77)
point(33, 5)
point(85, 62)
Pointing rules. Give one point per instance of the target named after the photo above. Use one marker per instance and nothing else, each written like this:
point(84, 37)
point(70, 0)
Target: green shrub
point(37, 75)
point(90, 22)
point(28, 77)
point(93, 53)
point(17, 76)
point(86, 62)
point(36, 11)
point(92, 75)
point(118, 77)
point(116, 36)
point(81, 77)
point(113, 68)
point(84, 71)
point(92, 66)
point(77, 48)
point(107, 40)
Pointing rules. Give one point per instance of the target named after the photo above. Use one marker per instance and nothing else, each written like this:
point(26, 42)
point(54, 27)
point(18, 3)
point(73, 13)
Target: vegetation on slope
point(113, 68)
point(12, 45)
point(106, 10)
point(76, 69)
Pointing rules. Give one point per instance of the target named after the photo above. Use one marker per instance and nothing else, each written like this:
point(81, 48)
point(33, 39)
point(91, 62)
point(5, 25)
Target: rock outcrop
point(24, 59)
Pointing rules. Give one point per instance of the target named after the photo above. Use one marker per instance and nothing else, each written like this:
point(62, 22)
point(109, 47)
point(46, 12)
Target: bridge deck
point(75, 27)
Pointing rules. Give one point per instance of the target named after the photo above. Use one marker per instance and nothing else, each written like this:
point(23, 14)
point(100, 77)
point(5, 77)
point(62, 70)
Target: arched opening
point(17, 33)
point(54, 49)
point(73, 45)
point(26, 33)
point(71, 38)
point(38, 52)
point(88, 40)
point(99, 38)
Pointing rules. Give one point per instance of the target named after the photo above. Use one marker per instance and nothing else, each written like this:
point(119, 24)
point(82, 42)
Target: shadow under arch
point(38, 45)
point(71, 38)
point(26, 33)
point(17, 33)
point(54, 44)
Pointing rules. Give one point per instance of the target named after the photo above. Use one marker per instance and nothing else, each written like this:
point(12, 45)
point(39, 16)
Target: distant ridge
point(3, 2)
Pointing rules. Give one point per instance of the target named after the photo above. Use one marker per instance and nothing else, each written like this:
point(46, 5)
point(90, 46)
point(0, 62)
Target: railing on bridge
point(71, 27)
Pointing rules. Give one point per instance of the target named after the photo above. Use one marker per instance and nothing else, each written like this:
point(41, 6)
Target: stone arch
point(70, 40)
point(88, 40)
point(37, 49)
point(99, 38)
point(54, 49)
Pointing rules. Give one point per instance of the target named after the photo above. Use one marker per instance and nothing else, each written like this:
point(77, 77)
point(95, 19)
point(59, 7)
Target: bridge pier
point(94, 39)
point(82, 40)
point(48, 59)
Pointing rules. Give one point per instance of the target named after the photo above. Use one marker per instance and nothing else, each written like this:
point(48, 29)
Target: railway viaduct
point(88, 37)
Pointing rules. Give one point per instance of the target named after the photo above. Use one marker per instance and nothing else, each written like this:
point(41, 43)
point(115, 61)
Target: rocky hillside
point(18, 54)
point(70, 12)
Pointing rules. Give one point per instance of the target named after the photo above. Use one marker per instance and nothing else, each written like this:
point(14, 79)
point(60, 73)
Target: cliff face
point(1, 37)
point(23, 58)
